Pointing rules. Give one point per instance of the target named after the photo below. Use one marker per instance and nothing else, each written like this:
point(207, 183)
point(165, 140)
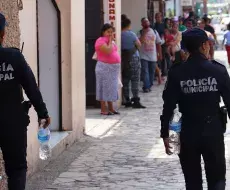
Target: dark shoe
point(116, 112)
point(128, 104)
point(111, 113)
point(107, 113)
point(137, 104)
point(146, 90)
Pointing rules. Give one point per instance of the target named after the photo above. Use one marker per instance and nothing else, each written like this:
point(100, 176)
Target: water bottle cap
point(175, 126)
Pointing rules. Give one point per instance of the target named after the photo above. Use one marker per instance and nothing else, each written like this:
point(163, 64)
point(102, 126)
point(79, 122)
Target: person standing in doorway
point(150, 53)
point(131, 66)
point(16, 74)
point(107, 70)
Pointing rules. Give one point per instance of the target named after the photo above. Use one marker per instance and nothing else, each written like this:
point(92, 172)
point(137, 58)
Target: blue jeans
point(147, 73)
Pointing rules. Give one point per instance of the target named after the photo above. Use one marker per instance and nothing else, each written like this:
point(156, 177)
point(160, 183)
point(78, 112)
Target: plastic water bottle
point(174, 132)
point(43, 138)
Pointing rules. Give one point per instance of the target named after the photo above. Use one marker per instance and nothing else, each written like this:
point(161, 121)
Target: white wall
point(178, 8)
point(29, 36)
point(73, 69)
point(78, 93)
point(135, 10)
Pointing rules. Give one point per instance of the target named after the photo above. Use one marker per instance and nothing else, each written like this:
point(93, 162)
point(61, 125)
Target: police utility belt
point(222, 114)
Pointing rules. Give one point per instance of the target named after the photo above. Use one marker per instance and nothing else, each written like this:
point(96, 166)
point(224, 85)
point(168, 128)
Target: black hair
point(105, 27)
point(123, 17)
point(125, 23)
point(143, 19)
point(189, 20)
point(206, 19)
point(193, 45)
point(158, 13)
point(228, 26)
point(191, 14)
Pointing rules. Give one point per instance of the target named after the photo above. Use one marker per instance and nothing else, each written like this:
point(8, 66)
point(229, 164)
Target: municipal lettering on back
point(208, 84)
point(6, 72)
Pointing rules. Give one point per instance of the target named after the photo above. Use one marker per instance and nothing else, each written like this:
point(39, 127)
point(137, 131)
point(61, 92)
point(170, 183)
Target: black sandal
point(116, 112)
point(107, 113)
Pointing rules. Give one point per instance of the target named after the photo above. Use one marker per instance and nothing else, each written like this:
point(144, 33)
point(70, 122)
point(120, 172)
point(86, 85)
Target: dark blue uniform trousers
point(212, 149)
point(14, 144)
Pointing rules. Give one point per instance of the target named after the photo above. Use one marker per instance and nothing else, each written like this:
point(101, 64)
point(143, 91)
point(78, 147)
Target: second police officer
point(197, 87)
point(14, 74)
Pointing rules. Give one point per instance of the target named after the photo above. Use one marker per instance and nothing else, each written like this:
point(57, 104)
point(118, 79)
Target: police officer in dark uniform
point(197, 86)
point(15, 74)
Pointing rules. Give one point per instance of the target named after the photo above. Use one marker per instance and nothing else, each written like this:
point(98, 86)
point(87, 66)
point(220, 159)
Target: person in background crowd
point(16, 74)
point(170, 46)
point(150, 53)
point(107, 70)
point(208, 27)
point(189, 24)
point(184, 54)
point(167, 23)
point(160, 26)
point(131, 66)
point(191, 17)
point(201, 25)
point(177, 43)
point(182, 27)
point(226, 42)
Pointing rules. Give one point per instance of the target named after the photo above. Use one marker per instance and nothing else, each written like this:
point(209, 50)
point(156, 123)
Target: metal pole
point(174, 7)
point(205, 9)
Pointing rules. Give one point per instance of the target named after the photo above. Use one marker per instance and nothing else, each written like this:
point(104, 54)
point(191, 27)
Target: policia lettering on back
point(197, 86)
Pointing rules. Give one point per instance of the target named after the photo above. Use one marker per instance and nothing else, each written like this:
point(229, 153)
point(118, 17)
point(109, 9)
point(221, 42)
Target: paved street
point(120, 152)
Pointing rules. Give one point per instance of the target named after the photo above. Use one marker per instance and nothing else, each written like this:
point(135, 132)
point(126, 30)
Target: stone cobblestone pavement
point(127, 155)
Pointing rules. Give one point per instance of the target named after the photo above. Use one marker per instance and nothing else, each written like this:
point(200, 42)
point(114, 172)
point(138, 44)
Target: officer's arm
point(170, 97)
point(28, 82)
point(225, 90)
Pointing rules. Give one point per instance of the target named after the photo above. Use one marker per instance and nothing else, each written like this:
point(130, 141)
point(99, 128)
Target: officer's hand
point(167, 146)
point(46, 121)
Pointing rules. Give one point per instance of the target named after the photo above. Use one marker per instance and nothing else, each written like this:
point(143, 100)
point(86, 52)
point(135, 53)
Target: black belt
point(201, 118)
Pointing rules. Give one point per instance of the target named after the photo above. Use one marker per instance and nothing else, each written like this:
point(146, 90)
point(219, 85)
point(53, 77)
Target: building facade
point(58, 38)
point(54, 47)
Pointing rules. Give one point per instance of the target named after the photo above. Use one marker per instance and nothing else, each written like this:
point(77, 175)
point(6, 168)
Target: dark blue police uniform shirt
point(197, 86)
point(14, 74)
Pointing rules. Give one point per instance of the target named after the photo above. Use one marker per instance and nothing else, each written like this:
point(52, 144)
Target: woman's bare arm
point(138, 44)
point(107, 48)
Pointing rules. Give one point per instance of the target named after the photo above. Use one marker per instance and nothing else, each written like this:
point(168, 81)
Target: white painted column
point(112, 15)
point(78, 65)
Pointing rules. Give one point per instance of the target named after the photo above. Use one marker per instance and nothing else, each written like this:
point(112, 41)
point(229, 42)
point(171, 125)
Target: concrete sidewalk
point(122, 152)
point(118, 152)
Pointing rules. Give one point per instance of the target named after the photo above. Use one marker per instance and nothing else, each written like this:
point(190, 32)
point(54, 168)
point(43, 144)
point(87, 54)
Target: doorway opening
point(94, 19)
point(49, 59)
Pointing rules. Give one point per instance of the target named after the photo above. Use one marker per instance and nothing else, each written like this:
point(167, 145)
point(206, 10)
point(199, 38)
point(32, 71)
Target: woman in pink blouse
point(107, 70)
